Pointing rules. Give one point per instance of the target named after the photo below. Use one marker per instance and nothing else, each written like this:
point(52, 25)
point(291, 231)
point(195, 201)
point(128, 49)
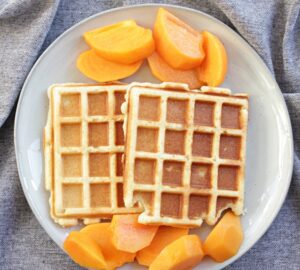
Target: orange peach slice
point(177, 43)
point(129, 235)
point(165, 73)
point(225, 239)
point(214, 66)
point(124, 42)
point(84, 251)
point(102, 70)
point(164, 236)
point(102, 234)
point(182, 254)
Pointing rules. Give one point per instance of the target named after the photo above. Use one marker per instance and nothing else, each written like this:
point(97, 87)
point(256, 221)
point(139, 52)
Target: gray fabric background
point(27, 27)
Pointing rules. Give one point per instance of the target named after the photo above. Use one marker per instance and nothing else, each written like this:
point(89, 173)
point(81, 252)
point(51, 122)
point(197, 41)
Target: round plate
point(269, 144)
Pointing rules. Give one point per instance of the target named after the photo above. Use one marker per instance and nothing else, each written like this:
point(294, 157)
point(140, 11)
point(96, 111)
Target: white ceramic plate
point(269, 145)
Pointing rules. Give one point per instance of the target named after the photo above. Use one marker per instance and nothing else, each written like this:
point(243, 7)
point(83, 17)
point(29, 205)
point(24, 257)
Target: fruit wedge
point(165, 73)
point(102, 234)
point(129, 235)
point(182, 254)
point(176, 42)
point(225, 239)
point(214, 66)
point(164, 236)
point(102, 70)
point(90, 34)
point(124, 42)
point(84, 251)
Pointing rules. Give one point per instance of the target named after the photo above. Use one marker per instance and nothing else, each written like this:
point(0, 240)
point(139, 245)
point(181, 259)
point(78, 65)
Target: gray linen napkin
point(26, 29)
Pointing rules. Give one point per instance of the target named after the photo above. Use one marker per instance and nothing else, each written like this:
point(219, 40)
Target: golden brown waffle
point(84, 144)
point(184, 153)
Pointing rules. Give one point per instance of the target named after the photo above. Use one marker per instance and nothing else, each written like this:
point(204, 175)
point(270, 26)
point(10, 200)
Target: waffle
point(83, 147)
point(184, 153)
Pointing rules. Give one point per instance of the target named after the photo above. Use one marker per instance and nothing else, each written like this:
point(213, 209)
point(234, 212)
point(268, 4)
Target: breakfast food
point(176, 52)
point(213, 69)
point(163, 237)
point(225, 239)
point(102, 70)
point(184, 153)
point(165, 73)
point(84, 251)
point(129, 235)
point(177, 42)
point(83, 148)
point(183, 150)
point(102, 234)
point(124, 42)
point(182, 254)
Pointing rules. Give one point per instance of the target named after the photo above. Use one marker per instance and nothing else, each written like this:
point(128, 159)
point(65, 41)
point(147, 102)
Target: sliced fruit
point(177, 43)
point(84, 251)
point(182, 254)
point(102, 234)
point(102, 70)
point(225, 239)
point(164, 236)
point(165, 73)
point(129, 235)
point(90, 34)
point(214, 66)
point(123, 42)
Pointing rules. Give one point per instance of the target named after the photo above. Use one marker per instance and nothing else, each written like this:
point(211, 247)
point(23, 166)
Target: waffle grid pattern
point(154, 206)
point(110, 183)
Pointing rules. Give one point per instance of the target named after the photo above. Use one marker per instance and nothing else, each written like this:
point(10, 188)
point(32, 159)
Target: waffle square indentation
point(202, 144)
point(99, 165)
point(98, 104)
point(230, 147)
point(198, 206)
point(72, 195)
point(147, 139)
point(228, 177)
point(171, 205)
point(70, 105)
point(175, 142)
point(70, 134)
point(230, 116)
point(204, 113)
point(201, 175)
point(149, 108)
point(98, 134)
point(100, 195)
point(172, 173)
point(177, 111)
point(144, 171)
point(71, 165)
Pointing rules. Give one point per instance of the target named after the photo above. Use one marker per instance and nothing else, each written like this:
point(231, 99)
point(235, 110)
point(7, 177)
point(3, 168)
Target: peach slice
point(165, 73)
point(177, 43)
point(102, 234)
point(225, 239)
point(84, 251)
point(164, 236)
point(129, 235)
point(102, 70)
point(182, 254)
point(124, 42)
point(214, 66)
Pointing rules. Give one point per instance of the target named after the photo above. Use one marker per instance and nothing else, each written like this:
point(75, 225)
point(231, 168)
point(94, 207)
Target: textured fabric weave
point(27, 27)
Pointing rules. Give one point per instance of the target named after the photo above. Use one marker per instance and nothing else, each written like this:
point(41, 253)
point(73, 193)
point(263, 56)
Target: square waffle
point(184, 153)
point(83, 147)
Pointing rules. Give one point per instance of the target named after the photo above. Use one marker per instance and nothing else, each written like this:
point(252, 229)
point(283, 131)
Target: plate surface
point(269, 146)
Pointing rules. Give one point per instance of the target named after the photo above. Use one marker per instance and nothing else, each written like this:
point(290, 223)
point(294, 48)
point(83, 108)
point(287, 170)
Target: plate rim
point(290, 146)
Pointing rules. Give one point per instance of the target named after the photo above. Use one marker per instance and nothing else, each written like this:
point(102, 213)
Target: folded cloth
point(272, 28)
